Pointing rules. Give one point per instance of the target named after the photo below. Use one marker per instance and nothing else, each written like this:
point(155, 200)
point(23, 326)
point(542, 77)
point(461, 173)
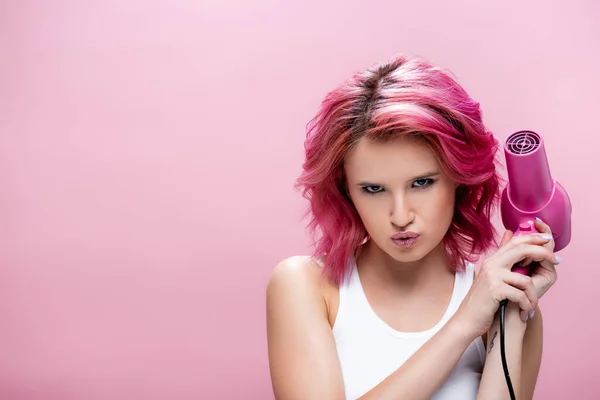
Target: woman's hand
point(496, 282)
point(544, 273)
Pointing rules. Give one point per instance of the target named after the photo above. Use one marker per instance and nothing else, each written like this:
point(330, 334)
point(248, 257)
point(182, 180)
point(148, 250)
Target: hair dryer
point(531, 192)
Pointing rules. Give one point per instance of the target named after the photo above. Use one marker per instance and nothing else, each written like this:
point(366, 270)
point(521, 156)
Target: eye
point(419, 183)
point(372, 189)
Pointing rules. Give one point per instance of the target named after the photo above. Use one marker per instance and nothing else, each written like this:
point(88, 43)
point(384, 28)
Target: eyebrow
point(416, 178)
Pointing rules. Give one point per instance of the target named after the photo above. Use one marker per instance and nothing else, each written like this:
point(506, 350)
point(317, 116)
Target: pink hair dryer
point(531, 192)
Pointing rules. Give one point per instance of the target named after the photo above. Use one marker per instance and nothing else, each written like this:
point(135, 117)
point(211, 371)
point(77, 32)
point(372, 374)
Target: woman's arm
point(523, 343)
point(302, 354)
point(423, 373)
point(532, 355)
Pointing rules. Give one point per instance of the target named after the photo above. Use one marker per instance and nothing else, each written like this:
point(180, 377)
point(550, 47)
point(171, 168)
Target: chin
point(407, 256)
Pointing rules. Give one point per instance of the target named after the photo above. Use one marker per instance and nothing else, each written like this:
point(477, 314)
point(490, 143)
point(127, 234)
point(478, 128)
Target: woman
point(400, 173)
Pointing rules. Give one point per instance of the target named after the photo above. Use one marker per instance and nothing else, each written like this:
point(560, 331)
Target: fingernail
point(547, 237)
point(558, 259)
point(524, 316)
point(539, 219)
point(532, 314)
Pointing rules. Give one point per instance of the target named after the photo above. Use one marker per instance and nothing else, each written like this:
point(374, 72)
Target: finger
point(524, 250)
point(543, 265)
point(534, 239)
point(544, 273)
point(543, 278)
point(524, 283)
point(506, 237)
point(542, 227)
point(517, 296)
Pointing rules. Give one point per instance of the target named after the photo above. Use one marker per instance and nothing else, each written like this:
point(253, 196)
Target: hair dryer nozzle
point(531, 192)
point(530, 182)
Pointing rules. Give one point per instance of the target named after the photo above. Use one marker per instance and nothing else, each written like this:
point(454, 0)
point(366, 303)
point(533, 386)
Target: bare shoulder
point(301, 278)
point(296, 268)
point(299, 332)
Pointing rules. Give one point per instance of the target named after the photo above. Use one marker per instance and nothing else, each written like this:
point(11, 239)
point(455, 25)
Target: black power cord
point(503, 304)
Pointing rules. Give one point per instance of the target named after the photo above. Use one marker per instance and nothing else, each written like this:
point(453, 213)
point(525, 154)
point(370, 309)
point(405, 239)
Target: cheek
point(368, 209)
point(444, 205)
point(435, 204)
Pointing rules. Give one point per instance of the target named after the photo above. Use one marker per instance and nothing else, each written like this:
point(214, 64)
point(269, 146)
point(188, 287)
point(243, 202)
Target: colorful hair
point(406, 96)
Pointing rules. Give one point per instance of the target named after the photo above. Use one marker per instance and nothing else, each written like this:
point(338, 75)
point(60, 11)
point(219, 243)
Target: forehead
point(402, 158)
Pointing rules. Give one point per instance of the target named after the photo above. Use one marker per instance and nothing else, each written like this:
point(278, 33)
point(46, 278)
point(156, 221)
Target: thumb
point(506, 237)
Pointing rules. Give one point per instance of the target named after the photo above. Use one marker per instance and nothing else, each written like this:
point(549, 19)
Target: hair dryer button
point(525, 226)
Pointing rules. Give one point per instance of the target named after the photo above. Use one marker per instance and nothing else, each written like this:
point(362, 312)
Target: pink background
point(148, 151)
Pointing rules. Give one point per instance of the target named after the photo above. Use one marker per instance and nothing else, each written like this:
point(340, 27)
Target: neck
point(376, 265)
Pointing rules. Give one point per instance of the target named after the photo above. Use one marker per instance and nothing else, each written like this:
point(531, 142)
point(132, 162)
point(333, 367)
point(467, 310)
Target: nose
point(402, 213)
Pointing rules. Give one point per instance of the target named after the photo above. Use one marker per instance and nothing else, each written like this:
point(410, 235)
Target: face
point(398, 188)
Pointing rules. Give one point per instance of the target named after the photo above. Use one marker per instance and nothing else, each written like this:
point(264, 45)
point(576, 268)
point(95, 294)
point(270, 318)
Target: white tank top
point(370, 350)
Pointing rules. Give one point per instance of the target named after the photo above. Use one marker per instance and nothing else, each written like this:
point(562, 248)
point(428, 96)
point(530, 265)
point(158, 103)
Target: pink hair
point(406, 96)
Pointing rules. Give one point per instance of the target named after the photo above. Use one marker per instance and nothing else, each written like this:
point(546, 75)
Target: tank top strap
point(349, 298)
point(464, 280)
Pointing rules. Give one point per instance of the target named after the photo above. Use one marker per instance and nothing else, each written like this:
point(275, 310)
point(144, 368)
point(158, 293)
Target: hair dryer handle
point(525, 228)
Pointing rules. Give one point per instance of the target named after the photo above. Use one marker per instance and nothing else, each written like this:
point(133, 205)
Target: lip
point(409, 242)
point(405, 235)
point(405, 240)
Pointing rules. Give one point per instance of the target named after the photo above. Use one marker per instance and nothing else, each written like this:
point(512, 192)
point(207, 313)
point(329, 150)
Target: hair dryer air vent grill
point(523, 142)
